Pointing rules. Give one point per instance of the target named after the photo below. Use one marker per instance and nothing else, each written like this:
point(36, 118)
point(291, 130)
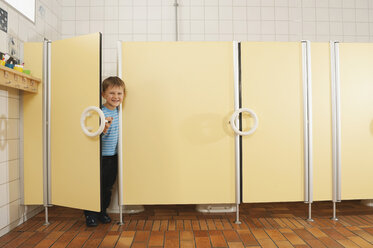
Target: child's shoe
point(91, 221)
point(104, 218)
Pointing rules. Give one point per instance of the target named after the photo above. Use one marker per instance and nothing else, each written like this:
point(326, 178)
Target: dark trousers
point(109, 173)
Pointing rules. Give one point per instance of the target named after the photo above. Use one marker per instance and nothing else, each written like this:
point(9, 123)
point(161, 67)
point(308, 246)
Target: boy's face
point(113, 96)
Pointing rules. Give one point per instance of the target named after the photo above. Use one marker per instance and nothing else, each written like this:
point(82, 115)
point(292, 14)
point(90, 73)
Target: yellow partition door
point(272, 157)
point(356, 101)
point(177, 144)
point(75, 157)
point(321, 121)
point(33, 128)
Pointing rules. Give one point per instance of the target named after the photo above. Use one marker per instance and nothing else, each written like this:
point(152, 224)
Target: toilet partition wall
point(321, 122)
point(33, 129)
point(75, 157)
point(356, 117)
point(273, 156)
point(178, 147)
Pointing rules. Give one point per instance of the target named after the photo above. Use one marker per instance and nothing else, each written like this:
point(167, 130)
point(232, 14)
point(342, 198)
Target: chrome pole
point(237, 137)
point(307, 125)
point(120, 142)
point(334, 60)
point(176, 5)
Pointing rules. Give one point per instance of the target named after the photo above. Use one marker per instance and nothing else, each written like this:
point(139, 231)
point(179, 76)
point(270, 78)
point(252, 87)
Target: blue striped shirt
point(110, 139)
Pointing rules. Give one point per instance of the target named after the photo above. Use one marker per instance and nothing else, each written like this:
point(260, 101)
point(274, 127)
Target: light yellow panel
point(321, 121)
point(273, 156)
point(33, 128)
point(356, 99)
point(75, 157)
point(178, 147)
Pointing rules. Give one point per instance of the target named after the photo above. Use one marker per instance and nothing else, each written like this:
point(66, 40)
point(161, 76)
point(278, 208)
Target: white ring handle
point(102, 121)
point(235, 116)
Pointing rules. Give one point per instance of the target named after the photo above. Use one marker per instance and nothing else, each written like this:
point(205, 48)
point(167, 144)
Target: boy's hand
point(107, 124)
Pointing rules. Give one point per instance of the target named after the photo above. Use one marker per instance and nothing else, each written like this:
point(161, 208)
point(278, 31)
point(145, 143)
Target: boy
point(113, 91)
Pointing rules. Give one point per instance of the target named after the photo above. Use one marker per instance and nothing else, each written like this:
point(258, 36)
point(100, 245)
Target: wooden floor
point(263, 225)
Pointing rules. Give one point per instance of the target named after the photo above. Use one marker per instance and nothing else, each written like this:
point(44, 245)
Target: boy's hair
point(113, 81)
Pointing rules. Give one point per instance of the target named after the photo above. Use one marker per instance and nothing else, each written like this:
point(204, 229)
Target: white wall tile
point(96, 26)
point(226, 27)
point(281, 3)
point(125, 13)
point(309, 28)
point(13, 149)
point(282, 28)
point(154, 37)
point(322, 3)
point(155, 12)
point(308, 3)
point(268, 27)
point(184, 27)
point(239, 13)
point(362, 29)
point(155, 27)
point(322, 14)
point(197, 13)
point(111, 12)
point(211, 27)
point(13, 170)
point(254, 27)
point(255, 3)
point(348, 15)
point(267, 2)
point(348, 4)
point(13, 108)
point(282, 13)
point(336, 28)
point(197, 27)
point(280, 37)
point(3, 108)
point(100, 2)
point(12, 129)
point(295, 14)
point(362, 15)
point(3, 173)
point(309, 14)
point(82, 27)
point(253, 13)
point(125, 27)
point(211, 13)
point(111, 27)
point(253, 37)
point(226, 37)
point(239, 27)
point(267, 13)
point(68, 13)
point(82, 13)
point(322, 28)
point(82, 2)
point(349, 28)
point(335, 3)
point(139, 12)
point(139, 26)
point(184, 13)
point(168, 12)
point(211, 37)
point(225, 13)
point(96, 13)
point(68, 27)
point(362, 4)
point(335, 15)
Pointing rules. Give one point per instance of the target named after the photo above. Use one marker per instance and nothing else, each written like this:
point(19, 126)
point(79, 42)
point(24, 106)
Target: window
point(25, 7)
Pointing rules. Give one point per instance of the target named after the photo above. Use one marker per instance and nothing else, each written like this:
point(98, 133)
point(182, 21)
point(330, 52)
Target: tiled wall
point(214, 20)
point(47, 25)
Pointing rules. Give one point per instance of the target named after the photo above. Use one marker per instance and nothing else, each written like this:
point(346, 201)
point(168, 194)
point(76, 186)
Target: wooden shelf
point(18, 80)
